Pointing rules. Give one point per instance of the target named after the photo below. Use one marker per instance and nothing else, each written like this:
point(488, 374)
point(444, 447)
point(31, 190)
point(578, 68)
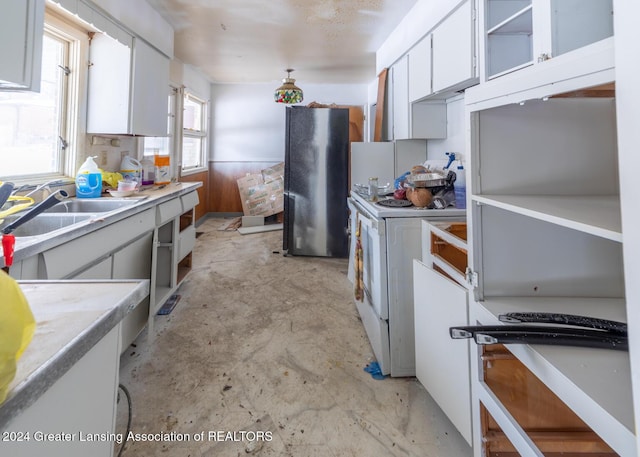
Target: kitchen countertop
point(71, 317)
point(409, 211)
point(30, 245)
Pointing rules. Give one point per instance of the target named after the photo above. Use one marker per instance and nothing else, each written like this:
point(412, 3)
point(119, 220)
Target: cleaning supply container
point(460, 187)
point(163, 169)
point(89, 180)
point(148, 171)
point(131, 169)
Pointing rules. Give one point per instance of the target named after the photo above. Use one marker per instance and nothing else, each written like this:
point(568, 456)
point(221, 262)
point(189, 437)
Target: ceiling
point(245, 41)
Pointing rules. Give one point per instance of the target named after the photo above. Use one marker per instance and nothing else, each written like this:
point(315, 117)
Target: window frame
point(201, 134)
point(76, 53)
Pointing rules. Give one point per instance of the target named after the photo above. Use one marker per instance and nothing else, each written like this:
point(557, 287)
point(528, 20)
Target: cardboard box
point(273, 173)
point(262, 194)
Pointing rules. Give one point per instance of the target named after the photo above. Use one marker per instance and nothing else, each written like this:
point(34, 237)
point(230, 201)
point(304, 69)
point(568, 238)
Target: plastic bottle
point(373, 189)
point(460, 187)
point(148, 171)
point(163, 169)
point(131, 169)
point(89, 180)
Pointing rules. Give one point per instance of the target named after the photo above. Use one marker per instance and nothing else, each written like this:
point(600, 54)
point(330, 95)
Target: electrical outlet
point(103, 158)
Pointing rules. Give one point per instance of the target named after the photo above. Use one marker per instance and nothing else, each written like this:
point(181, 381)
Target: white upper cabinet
point(519, 33)
point(150, 88)
point(454, 50)
point(400, 98)
point(420, 69)
point(21, 28)
point(127, 88)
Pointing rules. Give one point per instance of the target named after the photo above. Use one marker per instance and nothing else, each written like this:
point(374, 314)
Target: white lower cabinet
point(175, 238)
point(81, 403)
point(441, 301)
point(442, 364)
point(154, 244)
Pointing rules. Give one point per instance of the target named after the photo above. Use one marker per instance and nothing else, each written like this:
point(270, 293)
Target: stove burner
point(393, 203)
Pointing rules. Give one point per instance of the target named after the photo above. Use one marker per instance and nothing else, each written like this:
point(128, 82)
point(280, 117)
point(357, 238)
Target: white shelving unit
point(545, 223)
point(520, 33)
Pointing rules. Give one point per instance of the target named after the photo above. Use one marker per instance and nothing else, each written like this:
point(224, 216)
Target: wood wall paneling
point(203, 192)
point(224, 196)
point(222, 189)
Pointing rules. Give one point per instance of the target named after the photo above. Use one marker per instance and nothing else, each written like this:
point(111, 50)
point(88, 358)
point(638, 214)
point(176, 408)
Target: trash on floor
point(374, 370)
point(231, 225)
point(169, 305)
point(259, 229)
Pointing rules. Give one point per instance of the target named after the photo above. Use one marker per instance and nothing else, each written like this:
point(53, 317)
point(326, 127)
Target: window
point(36, 129)
point(194, 134)
point(163, 145)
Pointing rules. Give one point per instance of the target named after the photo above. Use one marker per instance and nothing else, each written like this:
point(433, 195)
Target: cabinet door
point(133, 261)
point(92, 383)
point(149, 104)
point(400, 86)
point(453, 49)
point(101, 270)
point(420, 69)
point(442, 364)
point(109, 86)
point(128, 88)
point(21, 27)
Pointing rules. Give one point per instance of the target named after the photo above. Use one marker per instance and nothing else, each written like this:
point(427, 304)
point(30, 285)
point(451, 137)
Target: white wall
point(455, 141)
point(196, 82)
point(248, 126)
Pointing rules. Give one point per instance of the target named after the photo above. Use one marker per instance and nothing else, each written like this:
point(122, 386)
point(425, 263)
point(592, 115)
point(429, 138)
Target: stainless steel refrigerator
point(316, 176)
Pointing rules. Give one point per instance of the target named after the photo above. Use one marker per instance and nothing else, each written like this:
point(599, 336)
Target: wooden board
point(382, 89)
point(259, 229)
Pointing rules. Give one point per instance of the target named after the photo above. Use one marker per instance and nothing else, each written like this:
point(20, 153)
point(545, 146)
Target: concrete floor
point(265, 346)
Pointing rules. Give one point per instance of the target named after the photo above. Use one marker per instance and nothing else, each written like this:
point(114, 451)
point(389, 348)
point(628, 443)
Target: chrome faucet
point(44, 187)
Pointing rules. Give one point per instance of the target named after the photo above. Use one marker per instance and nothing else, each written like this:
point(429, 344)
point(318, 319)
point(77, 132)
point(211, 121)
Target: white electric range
point(390, 238)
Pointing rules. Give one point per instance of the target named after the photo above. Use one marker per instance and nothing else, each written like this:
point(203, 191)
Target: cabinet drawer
point(548, 422)
point(189, 201)
point(187, 242)
point(70, 258)
point(168, 210)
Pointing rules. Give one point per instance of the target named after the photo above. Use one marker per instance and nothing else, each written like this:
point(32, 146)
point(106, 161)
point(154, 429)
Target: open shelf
point(498, 11)
point(597, 215)
point(594, 383)
point(519, 23)
point(184, 267)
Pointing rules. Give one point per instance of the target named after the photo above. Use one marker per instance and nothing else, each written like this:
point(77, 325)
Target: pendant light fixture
point(288, 92)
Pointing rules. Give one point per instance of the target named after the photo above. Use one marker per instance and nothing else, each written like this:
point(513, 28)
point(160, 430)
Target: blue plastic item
point(460, 188)
point(374, 370)
point(89, 180)
point(452, 157)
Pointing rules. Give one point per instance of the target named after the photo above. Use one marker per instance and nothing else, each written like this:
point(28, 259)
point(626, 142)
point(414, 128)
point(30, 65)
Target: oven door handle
point(365, 218)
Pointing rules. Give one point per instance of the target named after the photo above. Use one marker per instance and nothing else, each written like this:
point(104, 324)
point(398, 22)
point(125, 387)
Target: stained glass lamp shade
point(288, 93)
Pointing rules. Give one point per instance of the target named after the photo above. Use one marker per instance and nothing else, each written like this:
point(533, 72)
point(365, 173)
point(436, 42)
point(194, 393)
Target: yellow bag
point(17, 326)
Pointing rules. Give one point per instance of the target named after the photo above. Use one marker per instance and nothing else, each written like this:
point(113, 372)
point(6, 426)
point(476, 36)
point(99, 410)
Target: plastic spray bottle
point(460, 186)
